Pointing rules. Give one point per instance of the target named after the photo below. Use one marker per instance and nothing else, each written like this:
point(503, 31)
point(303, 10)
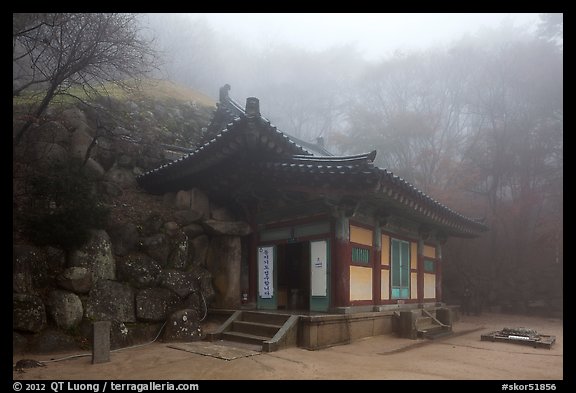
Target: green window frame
point(429, 266)
point(400, 269)
point(360, 255)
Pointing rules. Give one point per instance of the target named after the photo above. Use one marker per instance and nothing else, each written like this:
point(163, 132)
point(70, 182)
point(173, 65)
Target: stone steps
point(268, 331)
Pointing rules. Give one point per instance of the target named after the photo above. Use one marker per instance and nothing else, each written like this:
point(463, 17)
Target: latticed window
point(360, 255)
point(400, 266)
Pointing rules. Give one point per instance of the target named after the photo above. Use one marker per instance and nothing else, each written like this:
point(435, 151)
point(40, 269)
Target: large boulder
point(182, 200)
point(186, 217)
point(152, 224)
point(199, 202)
point(96, 255)
point(76, 279)
point(49, 152)
point(19, 343)
point(183, 325)
point(111, 300)
point(199, 250)
point(153, 304)
point(22, 268)
point(80, 141)
point(139, 270)
point(121, 176)
point(204, 279)
point(181, 283)
point(156, 247)
point(220, 213)
point(223, 263)
point(38, 265)
point(124, 335)
point(93, 169)
point(28, 313)
point(52, 132)
point(52, 340)
point(193, 230)
point(65, 308)
point(232, 228)
point(178, 257)
point(124, 237)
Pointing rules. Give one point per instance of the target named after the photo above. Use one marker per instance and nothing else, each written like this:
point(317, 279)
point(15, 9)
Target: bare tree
point(54, 52)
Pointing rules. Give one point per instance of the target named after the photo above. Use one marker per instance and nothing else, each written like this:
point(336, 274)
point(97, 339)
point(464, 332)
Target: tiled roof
point(279, 158)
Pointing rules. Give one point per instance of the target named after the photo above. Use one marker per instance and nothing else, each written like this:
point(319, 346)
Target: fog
point(376, 35)
point(466, 107)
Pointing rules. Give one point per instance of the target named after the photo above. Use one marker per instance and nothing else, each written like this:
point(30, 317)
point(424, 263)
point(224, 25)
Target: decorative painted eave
point(410, 197)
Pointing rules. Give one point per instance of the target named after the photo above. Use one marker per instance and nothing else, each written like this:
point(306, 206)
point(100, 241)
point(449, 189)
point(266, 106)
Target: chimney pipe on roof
point(252, 106)
point(224, 92)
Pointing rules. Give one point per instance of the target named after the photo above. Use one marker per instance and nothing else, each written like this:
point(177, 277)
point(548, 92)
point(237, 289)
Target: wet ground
point(462, 356)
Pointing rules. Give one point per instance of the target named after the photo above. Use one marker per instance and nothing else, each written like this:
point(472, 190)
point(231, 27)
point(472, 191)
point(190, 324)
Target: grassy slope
point(149, 88)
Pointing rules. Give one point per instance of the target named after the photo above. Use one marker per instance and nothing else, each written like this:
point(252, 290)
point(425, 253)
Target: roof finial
point(224, 92)
point(252, 106)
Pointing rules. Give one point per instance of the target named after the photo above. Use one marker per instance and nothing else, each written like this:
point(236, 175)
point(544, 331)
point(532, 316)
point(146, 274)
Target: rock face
point(181, 283)
point(178, 257)
point(200, 246)
point(233, 228)
point(65, 308)
point(80, 140)
point(76, 279)
point(22, 269)
point(152, 304)
point(122, 177)
point(139, 270)
point(157, 247)
point(183, 326)
point(28, 313)
point(52, 340)
point(124, 238)
point(96, 255)
point(111, 300)
point(223, 262)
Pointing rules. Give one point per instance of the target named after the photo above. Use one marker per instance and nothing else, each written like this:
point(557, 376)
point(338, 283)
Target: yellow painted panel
point(429, 286)
point(413, 255)
point(413, 286)
point(385, 284)
point(430, 251)
point(360, 283)
point(385, 256)
point(361, 235)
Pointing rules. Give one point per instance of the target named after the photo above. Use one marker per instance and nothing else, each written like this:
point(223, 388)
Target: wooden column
point(420, 273)
point(438, 272)
point(341, 266)
point(253, 261)
point(376, 266)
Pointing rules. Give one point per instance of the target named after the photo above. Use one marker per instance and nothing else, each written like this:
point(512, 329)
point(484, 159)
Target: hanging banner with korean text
point(318, 267)
point(266, 272)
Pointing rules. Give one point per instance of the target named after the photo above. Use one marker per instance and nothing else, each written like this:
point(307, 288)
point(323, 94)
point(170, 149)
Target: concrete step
point(444, 332)
point(266, 318)
point(244, 338)
point(258, 329)
point(422, 322)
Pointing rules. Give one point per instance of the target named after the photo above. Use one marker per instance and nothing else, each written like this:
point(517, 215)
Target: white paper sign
point(266, 272)
point(318, 267)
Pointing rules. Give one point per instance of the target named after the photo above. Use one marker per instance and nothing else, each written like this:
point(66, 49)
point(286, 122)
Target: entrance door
point(319, 276)
point(293, 276)
point(267, 299)
point(400, 269)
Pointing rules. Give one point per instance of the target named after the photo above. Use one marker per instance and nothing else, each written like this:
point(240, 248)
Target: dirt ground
point(459, 357)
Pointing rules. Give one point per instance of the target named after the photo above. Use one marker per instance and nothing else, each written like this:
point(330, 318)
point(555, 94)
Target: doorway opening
point(294, 276)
